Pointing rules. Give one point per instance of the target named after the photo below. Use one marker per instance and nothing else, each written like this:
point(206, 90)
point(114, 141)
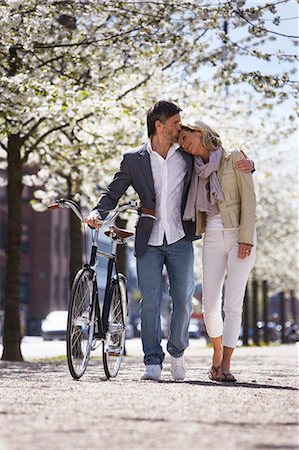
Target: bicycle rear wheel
point(81, 323)
point(114, 345)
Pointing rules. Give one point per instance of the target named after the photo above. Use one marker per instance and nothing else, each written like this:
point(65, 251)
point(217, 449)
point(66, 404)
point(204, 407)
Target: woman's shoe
point(228, 377)
point(213, 373)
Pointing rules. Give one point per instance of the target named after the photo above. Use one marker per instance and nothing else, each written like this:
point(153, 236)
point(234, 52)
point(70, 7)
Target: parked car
point(273, 330)
point(54, 325)
point(129, 330)
point(291, 331)
point(164, 328)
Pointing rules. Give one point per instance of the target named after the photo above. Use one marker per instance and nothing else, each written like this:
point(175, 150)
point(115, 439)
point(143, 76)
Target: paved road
point(43, 408)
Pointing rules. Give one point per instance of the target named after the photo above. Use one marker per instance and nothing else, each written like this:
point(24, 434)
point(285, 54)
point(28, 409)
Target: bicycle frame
point(112, 268)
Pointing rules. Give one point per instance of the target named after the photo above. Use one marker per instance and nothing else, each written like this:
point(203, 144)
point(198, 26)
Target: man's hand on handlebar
point(93, 219)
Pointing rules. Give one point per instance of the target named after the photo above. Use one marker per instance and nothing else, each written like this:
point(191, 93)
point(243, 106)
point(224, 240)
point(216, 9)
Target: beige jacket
point(238, 207)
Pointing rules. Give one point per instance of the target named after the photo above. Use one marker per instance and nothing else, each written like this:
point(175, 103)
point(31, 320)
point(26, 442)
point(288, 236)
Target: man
point(160, 172)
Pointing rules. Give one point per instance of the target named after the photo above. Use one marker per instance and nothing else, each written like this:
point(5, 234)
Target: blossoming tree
point(69, 67)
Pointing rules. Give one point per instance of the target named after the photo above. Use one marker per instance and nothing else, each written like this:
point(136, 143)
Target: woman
point(222, 202)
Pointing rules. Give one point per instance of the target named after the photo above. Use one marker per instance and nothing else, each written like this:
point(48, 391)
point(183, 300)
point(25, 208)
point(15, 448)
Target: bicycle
point(89, 325)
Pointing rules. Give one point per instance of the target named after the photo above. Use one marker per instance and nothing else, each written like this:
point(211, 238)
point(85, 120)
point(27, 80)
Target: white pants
point(220, 258)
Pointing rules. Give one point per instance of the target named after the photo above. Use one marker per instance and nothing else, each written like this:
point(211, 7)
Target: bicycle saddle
point(120, 233)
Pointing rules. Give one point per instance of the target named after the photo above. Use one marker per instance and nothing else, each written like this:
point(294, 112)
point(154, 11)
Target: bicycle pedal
point(114, 351)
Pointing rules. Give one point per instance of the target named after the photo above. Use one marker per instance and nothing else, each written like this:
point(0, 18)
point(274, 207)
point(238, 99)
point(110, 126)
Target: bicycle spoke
point(113, 348)
point(81, 323)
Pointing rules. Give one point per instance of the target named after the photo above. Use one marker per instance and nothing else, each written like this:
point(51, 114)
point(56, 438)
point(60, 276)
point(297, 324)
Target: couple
point(185, 179)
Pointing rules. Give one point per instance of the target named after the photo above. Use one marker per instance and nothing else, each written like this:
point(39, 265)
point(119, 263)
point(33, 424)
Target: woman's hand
point(244, 250)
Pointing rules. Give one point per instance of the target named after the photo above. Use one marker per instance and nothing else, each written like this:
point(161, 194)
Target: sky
point(289, 15)
point(289, 26)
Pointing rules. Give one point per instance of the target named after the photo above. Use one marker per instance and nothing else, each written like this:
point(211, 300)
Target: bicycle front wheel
point(114, 345)
point(81, 323)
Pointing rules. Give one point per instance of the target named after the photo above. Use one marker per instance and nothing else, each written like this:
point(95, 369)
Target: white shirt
point(215, 222)
point(168, 175)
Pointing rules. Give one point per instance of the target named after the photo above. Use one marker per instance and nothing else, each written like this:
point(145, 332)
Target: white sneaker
point(178, 368)
point(152, 372)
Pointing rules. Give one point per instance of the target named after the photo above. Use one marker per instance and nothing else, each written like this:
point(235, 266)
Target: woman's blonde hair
point(210, 138)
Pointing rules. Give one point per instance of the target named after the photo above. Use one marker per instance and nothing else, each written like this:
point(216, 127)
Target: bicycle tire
point(114, 344)
point(81, 323)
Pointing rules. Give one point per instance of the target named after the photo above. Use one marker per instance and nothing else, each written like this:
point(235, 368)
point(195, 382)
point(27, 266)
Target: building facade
point(44, 270)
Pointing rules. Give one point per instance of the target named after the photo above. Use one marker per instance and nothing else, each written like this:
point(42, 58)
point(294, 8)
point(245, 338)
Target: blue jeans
point(178, 259)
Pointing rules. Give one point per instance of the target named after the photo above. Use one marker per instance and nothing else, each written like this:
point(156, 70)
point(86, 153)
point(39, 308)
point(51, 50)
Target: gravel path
point(43, 408)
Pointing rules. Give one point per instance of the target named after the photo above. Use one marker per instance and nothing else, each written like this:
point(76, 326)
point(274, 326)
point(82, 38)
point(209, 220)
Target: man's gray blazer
point(135, 170)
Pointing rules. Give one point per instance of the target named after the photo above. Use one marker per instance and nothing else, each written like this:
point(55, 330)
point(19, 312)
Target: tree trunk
point(265, 311)
point(12, 328)
point(245, 318)
point(282, 317)
point(255, 316)
point(75, 246)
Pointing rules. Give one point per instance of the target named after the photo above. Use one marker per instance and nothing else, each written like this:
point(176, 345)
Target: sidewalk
point(43, 408)
point(34, 348)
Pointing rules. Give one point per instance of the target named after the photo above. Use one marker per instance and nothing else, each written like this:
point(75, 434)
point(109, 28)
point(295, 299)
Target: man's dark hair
point(160, 111)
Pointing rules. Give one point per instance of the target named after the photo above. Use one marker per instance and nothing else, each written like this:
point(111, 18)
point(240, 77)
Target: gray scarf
point(205, 191)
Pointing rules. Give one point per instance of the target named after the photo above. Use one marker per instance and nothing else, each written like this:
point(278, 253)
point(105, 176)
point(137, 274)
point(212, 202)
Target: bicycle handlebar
point(115, 212)
point(70, 204)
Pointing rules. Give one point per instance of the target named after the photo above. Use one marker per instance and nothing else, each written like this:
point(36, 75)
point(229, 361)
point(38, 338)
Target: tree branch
point(3, 146)
point(28, 121)
point(31, 131)
point(45, 63)
point(134, 87)
point(250, 52)
point(70, 138)
point(263, 28)
point(40, 139)
point(38, 45)
point(85, 117)
point(184, 52)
